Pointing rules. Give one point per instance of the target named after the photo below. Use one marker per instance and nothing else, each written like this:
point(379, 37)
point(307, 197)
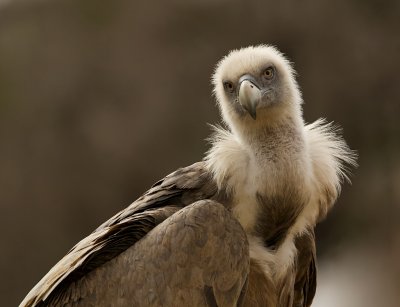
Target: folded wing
point(177, 190)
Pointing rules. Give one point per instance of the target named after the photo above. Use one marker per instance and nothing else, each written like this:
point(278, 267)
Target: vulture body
point(236, 229)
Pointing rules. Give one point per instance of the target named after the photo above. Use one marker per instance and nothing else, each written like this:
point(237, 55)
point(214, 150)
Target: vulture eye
point(268, 73)
point(228, 86)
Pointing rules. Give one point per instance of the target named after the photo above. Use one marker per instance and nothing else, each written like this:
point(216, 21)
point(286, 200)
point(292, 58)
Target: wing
point(306, 276)
point(183, 187)
point(199, 256)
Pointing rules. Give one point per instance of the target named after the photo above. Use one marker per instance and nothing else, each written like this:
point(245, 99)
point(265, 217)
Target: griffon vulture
point(236, 229)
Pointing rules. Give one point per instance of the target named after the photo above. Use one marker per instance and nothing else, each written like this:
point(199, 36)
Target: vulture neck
point(268, 145)
point(272, 133)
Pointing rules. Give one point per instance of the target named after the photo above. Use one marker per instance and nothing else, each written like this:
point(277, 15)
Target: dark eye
point(228, 86)
point(268, 73)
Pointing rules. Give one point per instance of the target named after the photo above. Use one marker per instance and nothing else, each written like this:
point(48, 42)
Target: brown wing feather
point(306, 277)
point(167, 196)
point(195, 257)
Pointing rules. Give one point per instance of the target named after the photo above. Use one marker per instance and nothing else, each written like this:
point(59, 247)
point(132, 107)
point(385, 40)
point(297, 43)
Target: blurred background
point(100, 99)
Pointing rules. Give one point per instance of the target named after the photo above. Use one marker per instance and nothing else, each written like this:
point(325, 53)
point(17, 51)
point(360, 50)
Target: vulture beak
point(249, 94)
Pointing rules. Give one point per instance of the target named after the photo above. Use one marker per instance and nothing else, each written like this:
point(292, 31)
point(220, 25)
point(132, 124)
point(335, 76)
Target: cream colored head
point(255, 87)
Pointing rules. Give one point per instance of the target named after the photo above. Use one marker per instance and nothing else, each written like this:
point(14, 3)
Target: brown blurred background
point(99, 99)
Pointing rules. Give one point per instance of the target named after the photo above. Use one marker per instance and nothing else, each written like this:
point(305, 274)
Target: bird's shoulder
point(331, 161)
point(170, 194)
point(227, 158)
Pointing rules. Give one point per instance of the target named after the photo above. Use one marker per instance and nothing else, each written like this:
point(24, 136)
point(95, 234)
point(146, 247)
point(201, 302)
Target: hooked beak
point(249, 95)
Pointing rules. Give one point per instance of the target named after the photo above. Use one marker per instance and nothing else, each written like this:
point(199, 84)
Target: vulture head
point(255, 87)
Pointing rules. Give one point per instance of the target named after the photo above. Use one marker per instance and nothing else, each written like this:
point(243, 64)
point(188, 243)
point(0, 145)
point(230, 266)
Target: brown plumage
point(236, 229)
